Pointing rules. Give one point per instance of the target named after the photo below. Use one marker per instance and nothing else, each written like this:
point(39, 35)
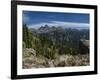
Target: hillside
point(54, 43)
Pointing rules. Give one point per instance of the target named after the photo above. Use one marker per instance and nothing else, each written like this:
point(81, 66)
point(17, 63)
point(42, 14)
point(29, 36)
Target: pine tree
point(27, 36)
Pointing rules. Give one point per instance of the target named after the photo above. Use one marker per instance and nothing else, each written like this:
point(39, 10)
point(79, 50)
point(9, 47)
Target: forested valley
point(54, 47)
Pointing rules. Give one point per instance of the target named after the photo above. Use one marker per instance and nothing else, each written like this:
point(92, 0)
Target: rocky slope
point(30, 60)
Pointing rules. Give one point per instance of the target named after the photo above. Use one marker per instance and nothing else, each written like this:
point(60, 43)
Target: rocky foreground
point(31, 60)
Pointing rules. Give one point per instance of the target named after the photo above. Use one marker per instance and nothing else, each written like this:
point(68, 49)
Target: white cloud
point(63, 24)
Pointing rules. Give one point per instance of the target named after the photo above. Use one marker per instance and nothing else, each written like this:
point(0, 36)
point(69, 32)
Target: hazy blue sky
point(35, 19)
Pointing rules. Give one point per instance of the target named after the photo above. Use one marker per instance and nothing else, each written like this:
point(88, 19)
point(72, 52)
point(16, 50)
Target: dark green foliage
point(27, 36)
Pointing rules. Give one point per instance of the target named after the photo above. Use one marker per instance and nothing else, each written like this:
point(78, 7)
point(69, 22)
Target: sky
point(36, 19)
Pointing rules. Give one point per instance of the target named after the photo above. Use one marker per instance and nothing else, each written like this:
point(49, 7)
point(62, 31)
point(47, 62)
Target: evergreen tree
point(27, 36)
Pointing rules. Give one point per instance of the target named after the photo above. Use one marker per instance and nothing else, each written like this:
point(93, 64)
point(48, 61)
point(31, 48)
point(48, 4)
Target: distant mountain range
point(65, 36)
point(60, 29)
point(46, 29)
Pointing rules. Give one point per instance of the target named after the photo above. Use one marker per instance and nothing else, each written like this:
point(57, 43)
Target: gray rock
point(29, 51)
point(51, 63)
